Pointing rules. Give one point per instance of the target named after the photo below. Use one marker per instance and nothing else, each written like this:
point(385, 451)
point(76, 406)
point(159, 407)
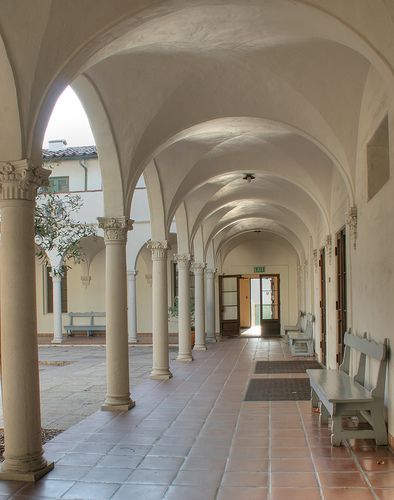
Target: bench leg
point(379, 426)
point(323, 420)
point(336, 430)
point(315, 399)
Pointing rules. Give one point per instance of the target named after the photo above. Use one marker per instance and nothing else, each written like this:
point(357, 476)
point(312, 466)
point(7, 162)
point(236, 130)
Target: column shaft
point(161, 363)
point(210, 275)
point(199, 307)
point(57, 308)
point(23, 456)
point(184, 326)
point(132, 306)
point(118, 384)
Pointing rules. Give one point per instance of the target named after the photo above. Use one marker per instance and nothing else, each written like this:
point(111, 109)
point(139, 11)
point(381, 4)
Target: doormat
point(278, 389)
point(298, 366)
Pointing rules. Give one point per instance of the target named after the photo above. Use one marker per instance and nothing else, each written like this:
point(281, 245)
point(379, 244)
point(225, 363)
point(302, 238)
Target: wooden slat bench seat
point(301, 342)
point(339, 394)
point(89, 328)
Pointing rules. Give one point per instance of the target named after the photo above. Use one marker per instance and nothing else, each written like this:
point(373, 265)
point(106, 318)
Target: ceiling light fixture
point(248, 177)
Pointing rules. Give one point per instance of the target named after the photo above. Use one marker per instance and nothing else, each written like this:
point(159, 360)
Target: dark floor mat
point(278, 389)
point(298, 366)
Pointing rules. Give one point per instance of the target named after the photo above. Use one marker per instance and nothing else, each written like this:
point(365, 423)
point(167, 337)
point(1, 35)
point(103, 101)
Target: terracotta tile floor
point(193, 437)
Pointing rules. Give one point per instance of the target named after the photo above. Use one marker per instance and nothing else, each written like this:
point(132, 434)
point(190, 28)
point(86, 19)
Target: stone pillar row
point(23, 456)
point(184, 324)
point(118, 385)
point(161, 364)
point(132, 306)
point(199, 307)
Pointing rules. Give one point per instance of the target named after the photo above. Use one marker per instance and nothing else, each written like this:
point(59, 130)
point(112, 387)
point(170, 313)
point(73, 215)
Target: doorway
point(250, 305)
point(323, 322)
point(341, 304)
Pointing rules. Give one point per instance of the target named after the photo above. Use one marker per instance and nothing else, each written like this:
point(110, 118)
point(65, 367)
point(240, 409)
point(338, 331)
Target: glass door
point(270, 305)
point(229, 305)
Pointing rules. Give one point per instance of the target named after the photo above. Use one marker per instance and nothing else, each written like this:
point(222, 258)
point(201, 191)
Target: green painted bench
point(301, 342)
point(341, 395)
point(89, 328)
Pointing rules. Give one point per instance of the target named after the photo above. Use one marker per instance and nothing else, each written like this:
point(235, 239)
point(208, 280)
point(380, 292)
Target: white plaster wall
point(73, 170)
point(278, 257)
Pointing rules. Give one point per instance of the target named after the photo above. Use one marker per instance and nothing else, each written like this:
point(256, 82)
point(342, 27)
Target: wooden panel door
point(229, 305)
point(323, 315)
point(341, 303)
point(244, 302)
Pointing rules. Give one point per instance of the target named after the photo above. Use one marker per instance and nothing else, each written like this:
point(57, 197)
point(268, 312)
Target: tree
point(57, 229)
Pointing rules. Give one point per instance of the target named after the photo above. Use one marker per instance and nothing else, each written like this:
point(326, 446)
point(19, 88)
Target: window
point(49, 292)
point(58, 184)
point(378, 159)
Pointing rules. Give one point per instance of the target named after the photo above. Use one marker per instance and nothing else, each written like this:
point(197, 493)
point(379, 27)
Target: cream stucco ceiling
point(196, 93)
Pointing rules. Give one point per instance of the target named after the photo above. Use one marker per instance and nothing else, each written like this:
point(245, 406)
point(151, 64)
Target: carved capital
point(210, 273)
point(198, 267)
point(159, 249)
point(315, 259)
point(329, 247)
point(115, 228)
point(86, 280)
point(352, 224)
point(183, 261)
point(19, 180)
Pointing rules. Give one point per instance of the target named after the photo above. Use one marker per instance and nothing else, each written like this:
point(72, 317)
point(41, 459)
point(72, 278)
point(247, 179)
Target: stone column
point(57, 306)
point(161, 363)
point(210, 277)
point(23, 456)
point(132, 306)
point(184, 326)
point(199, 307)
point(118, 385)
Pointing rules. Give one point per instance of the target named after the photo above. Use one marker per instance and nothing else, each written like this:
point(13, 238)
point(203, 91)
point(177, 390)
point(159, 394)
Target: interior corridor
point(193, 437)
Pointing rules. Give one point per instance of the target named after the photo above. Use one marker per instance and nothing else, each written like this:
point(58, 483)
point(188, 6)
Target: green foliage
point(173, 311)
point(56, 227)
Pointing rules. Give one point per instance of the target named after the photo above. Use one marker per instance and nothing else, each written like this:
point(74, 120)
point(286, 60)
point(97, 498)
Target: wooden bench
point(341, 395)
point(89, 328)
point(301, 342)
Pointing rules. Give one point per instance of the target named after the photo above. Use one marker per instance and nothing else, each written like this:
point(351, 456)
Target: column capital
point(352, 224)
point(115, 228)
point(131, 275)
point(183, 260)
point(20, 179)
point(159, 249)
point(198, 267)
point(210, 272)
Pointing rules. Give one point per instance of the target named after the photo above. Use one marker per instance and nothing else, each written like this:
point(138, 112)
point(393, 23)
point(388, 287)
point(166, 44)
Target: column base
point(25, 476)
point(211, 339)
point(57, 341)
point(184, 358)
point(133, 341)
point(160, 374)
point(199, 347)
point(126, 406)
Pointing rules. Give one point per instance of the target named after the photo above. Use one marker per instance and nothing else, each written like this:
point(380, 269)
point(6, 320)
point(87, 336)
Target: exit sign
point(259, 269)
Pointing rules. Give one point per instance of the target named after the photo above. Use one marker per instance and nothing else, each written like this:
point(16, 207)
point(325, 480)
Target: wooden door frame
point(221, 301)
point(262, 276)
point(341, 301)
point(323, 305)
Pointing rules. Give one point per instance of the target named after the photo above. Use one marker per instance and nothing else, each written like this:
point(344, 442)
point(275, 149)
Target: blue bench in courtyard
point(90, 327)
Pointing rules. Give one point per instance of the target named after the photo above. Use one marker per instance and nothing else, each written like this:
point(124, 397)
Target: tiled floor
point(193, 438)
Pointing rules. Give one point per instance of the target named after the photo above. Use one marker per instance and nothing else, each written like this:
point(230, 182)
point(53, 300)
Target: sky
point(69, 122)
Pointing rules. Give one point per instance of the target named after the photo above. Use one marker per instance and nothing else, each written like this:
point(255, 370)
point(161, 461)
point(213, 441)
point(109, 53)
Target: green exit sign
point(259, 269)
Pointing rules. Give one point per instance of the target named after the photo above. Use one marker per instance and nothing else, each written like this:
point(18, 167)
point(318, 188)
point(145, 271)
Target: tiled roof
point(70, 153)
